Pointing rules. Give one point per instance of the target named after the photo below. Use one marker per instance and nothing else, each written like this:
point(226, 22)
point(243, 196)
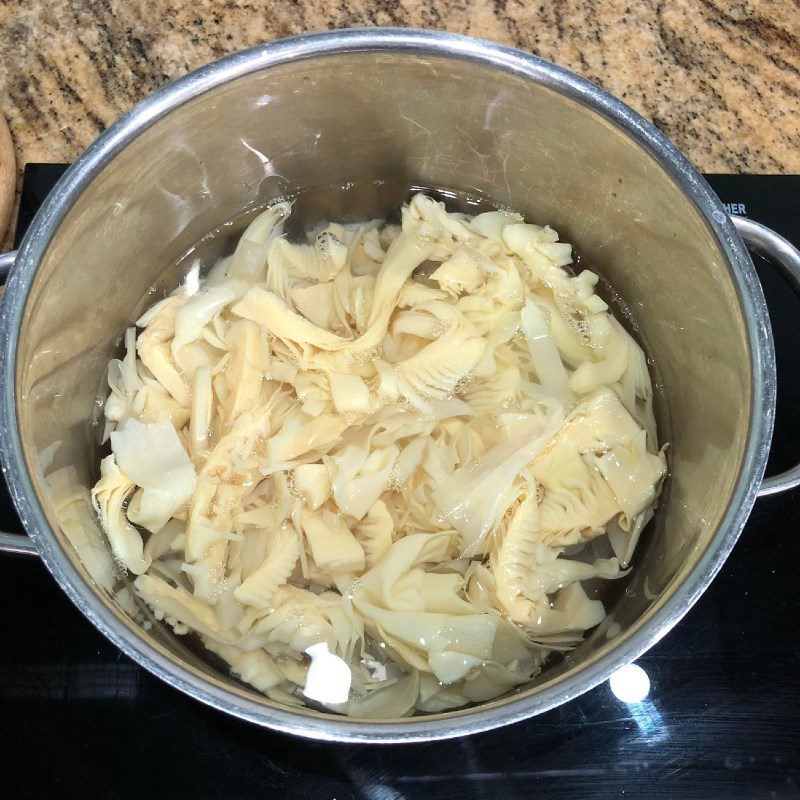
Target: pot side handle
point(765, 242)
point(13, 542)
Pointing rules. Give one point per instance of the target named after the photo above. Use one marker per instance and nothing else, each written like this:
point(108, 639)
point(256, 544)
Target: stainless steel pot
point(412, 107)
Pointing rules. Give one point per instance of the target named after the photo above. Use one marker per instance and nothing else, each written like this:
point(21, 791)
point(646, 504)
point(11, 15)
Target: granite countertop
point(720, 77)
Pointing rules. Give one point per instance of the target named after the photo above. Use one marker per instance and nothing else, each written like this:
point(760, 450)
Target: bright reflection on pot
point(329, 677)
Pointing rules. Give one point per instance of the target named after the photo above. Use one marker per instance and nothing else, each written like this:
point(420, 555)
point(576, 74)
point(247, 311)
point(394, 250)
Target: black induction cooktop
point(721, 718)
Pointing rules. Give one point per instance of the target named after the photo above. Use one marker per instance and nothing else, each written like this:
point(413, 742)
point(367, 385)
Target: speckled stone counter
point(721, 78)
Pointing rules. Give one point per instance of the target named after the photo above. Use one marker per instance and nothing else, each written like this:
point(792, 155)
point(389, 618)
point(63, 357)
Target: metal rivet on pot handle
point(764, 241)
point(12, 542)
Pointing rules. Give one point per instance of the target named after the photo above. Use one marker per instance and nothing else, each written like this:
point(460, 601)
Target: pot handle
point(765, 242)
point(6, 262)
point(13, 542)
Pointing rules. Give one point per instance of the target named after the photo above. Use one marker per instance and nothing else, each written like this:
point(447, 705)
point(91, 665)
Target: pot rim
point(156, 659)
